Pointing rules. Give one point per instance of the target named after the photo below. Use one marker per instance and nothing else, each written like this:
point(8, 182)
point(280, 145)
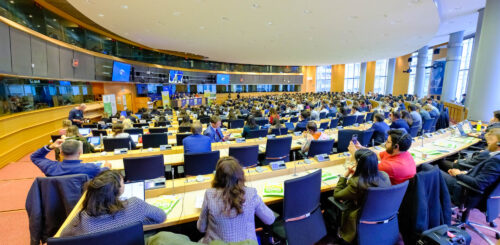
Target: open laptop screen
point(133, 189)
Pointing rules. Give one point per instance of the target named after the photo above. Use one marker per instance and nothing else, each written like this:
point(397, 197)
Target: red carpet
point(16, 179)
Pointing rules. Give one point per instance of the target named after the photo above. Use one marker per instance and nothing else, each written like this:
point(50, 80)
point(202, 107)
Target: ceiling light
point(224, 18)
point(54, 19)
point(202, 27)
point(307, 11)
point(255, 6)
point(31, 16)
point(101, 15)
point(269, 23)
point(176, 13)
point(12, 2)
point(124, 7)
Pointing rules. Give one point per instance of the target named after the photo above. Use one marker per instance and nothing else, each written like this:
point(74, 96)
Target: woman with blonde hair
point(74, 134)
point(229, 207)
point(66, 124)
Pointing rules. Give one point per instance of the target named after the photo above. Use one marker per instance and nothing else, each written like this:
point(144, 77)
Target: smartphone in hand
point(354, 139)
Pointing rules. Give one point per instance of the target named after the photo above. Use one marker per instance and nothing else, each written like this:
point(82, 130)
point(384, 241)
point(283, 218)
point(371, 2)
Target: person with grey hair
point(70, 150)
point(76, 115)
point(197, 142)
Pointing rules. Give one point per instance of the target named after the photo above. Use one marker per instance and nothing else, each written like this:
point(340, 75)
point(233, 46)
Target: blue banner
point(437, 76)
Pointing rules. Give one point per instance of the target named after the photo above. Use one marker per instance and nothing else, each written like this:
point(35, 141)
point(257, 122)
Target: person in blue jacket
point(398, 123)
point(380, 129)
point(70, 150)
point(213, 131)
point(197, 142)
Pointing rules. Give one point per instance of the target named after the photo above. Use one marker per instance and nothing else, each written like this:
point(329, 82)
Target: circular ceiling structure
point(277, 32)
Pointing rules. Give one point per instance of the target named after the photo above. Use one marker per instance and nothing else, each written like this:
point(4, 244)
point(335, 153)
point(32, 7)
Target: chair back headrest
point(382, 202)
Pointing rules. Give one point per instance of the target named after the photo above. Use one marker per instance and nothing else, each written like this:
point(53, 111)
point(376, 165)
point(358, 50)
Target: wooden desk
point(185, 211)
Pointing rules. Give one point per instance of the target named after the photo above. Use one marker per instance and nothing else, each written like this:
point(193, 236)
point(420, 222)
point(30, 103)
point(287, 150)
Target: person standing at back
point(197, 142)
point(229, 207)
point(76, 115)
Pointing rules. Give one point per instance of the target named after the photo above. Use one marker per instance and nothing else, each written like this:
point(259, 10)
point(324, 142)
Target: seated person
point(102, 208)
point(197, 142)
point(127, 123)
point(186, 121)
point(304, 115)
point(433, 111)
point(355, 111)
point(423, 113)
point(276, 124)
point(494, 123)
point(71, 150)
point(249, 126)
point(397, 122)
point(311, 134)
point(213, 130)
point(352, 190)
point(229, 207)
point(480, 177)
point(66, 124)
point(380, 129)
point(74, 134)
point(117, 132)
point(415, 116)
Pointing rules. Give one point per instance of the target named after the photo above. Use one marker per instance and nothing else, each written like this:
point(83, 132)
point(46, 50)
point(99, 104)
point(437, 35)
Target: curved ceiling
point(277, 32)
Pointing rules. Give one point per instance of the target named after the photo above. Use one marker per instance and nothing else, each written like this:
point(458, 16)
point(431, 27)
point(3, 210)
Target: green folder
point(274, 190)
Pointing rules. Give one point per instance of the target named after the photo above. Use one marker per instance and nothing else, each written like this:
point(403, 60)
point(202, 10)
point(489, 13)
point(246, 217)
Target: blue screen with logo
point(121, 72)
point(222, 78)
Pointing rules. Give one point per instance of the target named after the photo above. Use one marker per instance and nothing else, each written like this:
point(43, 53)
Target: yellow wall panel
point(401, 79)
point(338, 74)
point(370, 76)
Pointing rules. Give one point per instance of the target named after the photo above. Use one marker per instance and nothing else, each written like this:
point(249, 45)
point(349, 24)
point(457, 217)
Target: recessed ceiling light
point(255, 6)
point(31, 16)
point(101, 15)
point(176, 13)
point(12, 2)
point(307, 11)
point(202, 27)
point(124, 6)
point(269, 23)
point(224, 18)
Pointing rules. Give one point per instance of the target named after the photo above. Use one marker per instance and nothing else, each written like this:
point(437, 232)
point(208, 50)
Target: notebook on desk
point(133, 189)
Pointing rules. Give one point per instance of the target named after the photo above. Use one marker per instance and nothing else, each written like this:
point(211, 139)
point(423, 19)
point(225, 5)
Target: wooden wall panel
point(401, 79)
point(23, 133)
point(338, 74)
point(370, 76)
point(5, 61)
point(309, 79)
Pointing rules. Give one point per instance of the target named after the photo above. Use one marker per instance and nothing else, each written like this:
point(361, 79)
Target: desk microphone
point(129, 145)
point(173, 177)
point(295, 168)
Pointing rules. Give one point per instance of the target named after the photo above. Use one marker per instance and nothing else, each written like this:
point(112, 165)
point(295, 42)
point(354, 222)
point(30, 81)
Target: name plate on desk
point(428, 135)
point(165, 147)
point(271, 136)
point(240, 140)
point(322, 157)
point(121, 151)
point(277, 165)
point(339, 127)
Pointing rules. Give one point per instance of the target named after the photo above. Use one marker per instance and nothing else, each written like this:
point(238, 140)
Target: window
point(463, 73)
point(413, 67)
point(427, 78)
point(380, 76)
point(351, 79)
point(323, 78)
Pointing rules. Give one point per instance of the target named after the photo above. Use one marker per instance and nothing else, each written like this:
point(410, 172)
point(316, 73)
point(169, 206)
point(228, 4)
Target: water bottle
point(479, 125)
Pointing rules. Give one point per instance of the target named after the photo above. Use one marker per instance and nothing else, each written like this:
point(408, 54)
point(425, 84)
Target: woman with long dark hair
point(229, 207)
point(251, 124)
point(351, 190)
point(102, 208)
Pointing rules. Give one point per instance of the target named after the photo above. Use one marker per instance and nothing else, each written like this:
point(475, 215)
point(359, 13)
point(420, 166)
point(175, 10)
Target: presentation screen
point(175, 76)
point(121, 72)
point(222, 78)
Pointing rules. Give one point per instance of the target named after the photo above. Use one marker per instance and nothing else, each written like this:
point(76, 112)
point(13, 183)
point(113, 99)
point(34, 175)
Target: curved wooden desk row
point(93, 157)
point(191, 191)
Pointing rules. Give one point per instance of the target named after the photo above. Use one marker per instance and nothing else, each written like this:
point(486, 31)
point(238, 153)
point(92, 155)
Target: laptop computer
point(135, 137)
point(94, 140)
point(134, 189)
point(139, 116)
point(84, 131)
